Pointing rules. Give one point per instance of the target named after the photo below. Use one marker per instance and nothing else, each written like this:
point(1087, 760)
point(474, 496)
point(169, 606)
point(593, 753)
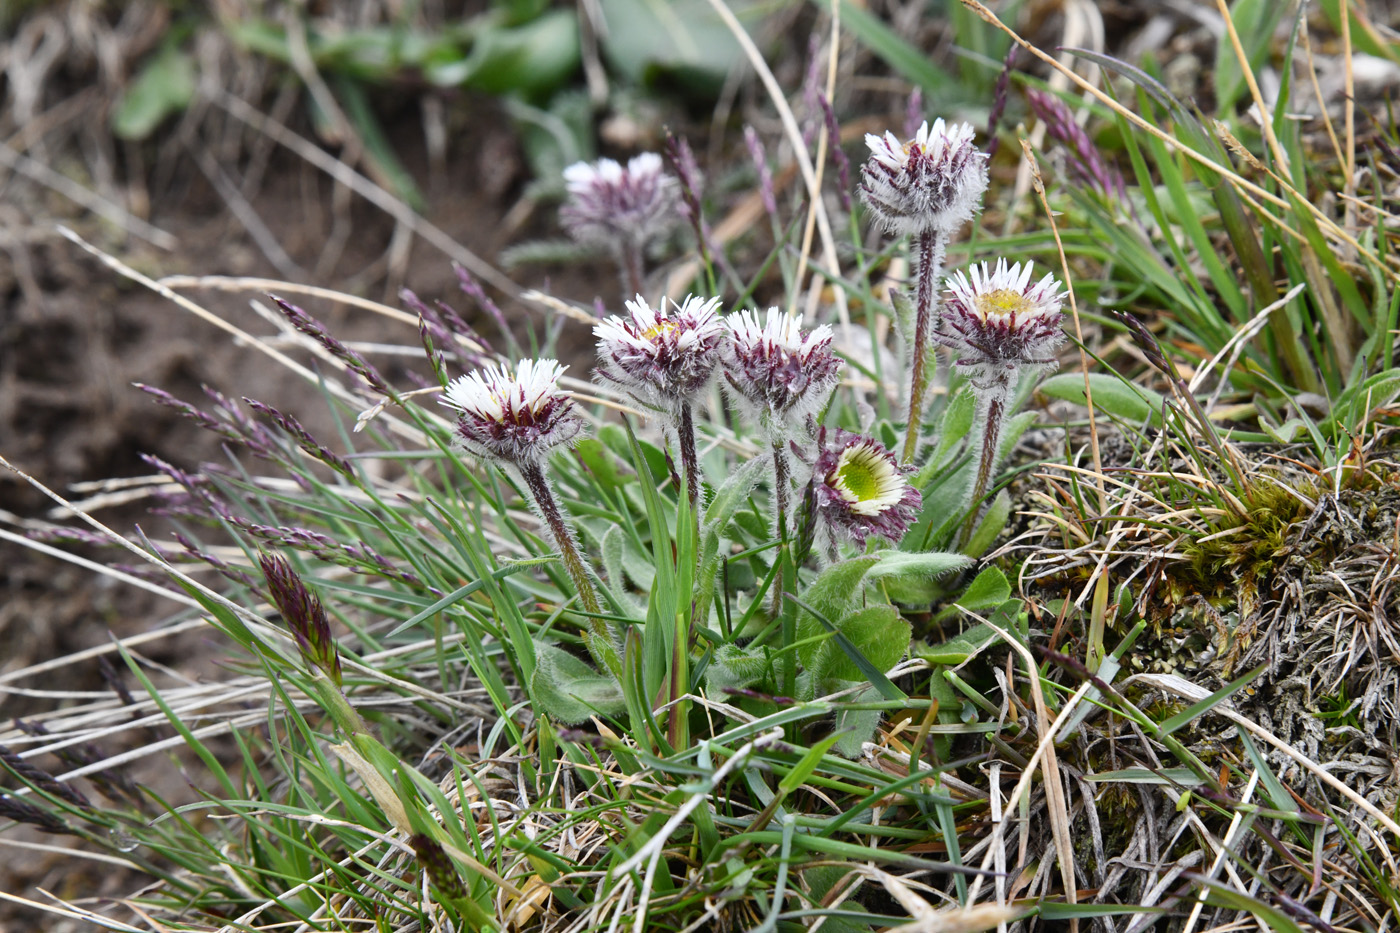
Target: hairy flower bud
point(608, 202)
point(777, 373)
point(933, 182)
point(661, 358)
point(515, 417)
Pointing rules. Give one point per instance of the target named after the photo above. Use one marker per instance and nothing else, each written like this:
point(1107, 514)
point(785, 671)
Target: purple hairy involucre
point(862, 489)
point(776, 372)
point(518, 417)
point(609, 202)
point(1000, 324)
point(662, 358)
point(934, 182)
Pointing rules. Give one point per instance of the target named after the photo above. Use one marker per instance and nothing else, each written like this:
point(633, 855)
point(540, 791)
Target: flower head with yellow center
point(1000, 324)
point(660, 357)
point(516, 417)
point(861, 489)
point(935, 181)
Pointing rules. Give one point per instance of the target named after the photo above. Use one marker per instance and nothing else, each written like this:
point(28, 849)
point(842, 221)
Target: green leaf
point(605, 466)
point(731, 496)
point(1165, 776)
point(926, 565)
point(804, 767)
point(878, 633)
point(532, 58)
point(1112, 394)
point(912, 577)
point(570, 691)
point(165, 86)
point(988, 590)
point(1196, 709)
point(953, 427)
point(855, 727)
point(737, 667)
point(991, 525)
point(685, 38)
point(958, 649)
point(1255, 21)
point(868, 671)
point(833, 592)
point(1272, 917)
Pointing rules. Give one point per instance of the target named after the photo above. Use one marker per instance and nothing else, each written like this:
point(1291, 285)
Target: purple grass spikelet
point(301, 609)
point(765, 172)
point(1085, 162)
point(13, 807)
point(999, 98)
point(41, 780)
point(913, 112)
point(303, 437)
point(838, 155)
point(314, 329)
point(473, 289)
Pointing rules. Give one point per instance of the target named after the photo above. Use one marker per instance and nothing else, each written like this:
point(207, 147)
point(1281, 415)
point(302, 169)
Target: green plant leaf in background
point(529, 59)
point(165, 86)
point(1133, 403)
point(685, 39)
point(877, 632)
point(571, 691)
point(1255, 21)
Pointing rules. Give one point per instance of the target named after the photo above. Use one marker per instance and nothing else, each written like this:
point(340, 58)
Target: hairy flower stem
point(564, 540)
point(629, 263)
point(993, 422)
point(781, 482)
point(690, 458)
point(932, 244)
